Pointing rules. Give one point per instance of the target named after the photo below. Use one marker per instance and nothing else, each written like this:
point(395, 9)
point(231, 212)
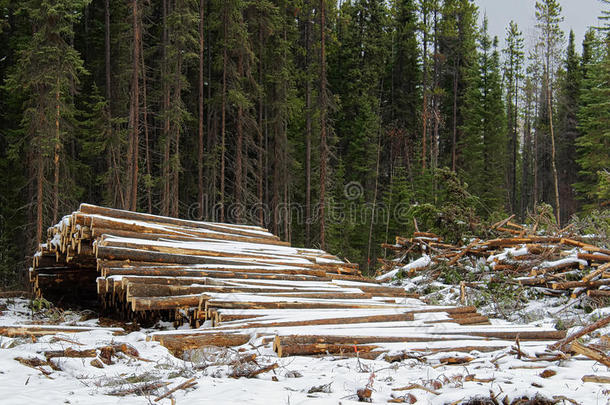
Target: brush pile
point(560, 263)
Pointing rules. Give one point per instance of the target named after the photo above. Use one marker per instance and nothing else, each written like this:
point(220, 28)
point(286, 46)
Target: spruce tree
point(47, 72)
point(513, 74)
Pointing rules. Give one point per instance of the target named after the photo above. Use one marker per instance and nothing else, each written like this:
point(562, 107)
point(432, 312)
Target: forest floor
point(137, 371)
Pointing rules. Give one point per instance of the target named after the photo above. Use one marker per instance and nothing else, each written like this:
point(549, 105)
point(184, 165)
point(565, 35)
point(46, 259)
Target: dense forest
point(335, 124)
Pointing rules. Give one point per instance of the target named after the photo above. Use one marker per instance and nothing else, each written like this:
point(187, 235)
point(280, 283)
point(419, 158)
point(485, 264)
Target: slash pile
point(242, 284)
point(556, 264)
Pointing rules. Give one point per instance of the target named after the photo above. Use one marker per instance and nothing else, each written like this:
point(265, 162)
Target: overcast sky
point(578, 14)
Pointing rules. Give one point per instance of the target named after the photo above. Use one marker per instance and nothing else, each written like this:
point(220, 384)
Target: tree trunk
point(200, 133)
point(307, 134)
point(223, 115)
point(239, 148)
point(323, 106)
point(425, 90)
point(135, 114)
point(39, 195)
point(107, 52)
point(261, 146)
point(166, 124)
point(553, 163)
point(146, 134)
point(454, 139)
point(56, 150)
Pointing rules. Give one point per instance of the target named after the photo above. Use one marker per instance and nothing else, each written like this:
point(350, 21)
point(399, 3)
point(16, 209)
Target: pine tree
point(568, 103)
point(548, 15)
point(47, 72)
point(512, 75)
point(483, 144)
point(594, 121)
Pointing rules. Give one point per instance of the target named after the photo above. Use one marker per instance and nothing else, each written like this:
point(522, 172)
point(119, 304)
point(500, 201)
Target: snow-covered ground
point(296, 380)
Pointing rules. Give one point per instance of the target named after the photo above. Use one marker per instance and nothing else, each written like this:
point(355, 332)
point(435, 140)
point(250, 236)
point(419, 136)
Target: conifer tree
point(47, 72)
point(548, 15)
point(512, 75)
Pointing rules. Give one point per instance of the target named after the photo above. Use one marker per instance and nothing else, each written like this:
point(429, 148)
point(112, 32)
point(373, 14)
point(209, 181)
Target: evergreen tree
point(548, 16)
point(512, 75)
point(47, 71)
point(485, 136)
point(568, 103)
point(594, 121)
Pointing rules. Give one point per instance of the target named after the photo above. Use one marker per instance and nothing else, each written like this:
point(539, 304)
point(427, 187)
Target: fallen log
point(590, 352)
point(563, 343)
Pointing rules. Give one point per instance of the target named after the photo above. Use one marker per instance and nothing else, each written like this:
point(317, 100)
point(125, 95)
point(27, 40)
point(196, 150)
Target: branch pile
point(561, 263)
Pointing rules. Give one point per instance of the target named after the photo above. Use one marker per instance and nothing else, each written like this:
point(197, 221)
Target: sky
point(578, 14)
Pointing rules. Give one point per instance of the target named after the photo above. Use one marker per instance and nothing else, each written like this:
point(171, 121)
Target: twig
point(176, 388)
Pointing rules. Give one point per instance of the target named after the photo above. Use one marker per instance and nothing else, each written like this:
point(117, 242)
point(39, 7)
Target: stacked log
point(556, 264)
point(145, 267)
point(238, 283)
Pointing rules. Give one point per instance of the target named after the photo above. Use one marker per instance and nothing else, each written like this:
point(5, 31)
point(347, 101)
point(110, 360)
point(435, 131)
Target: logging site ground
point(135, 308)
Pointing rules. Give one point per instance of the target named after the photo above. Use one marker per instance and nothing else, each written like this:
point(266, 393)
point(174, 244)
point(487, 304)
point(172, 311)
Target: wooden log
point(37, 330)
point(214, 303)
point(599, 379)
point(160, 303)
point(177, 344)
point(594, 257)
point(322, 348)
point(218, 250)
point(576, 284)
point(563, 343)
point(327, 321)
point(137, 216)
point(551, 269)
point(596, 272)
point(598, 293)
point(169, 273)
point(585, 246)
point(463, 252)
point(590, 352)
point(135, 289)
point(69, 352)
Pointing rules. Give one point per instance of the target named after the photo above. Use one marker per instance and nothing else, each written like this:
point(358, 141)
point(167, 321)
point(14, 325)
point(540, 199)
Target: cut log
point(590, 352)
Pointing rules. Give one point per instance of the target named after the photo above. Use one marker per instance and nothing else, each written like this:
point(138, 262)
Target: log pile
point(555, 264)
point(240, 284)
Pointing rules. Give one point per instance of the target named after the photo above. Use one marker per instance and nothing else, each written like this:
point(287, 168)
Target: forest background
point(335, 124)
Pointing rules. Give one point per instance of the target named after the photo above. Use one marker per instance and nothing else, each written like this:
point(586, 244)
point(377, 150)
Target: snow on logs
point(246, 285)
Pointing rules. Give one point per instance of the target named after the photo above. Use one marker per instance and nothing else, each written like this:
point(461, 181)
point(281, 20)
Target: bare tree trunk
point(425, 90)
point(200, 133)
point(146, 134)
point(261, 146)
point(107, 49)
point(135, 114)
point(454, 139)
point(175, 185)
point(368, 253)
point(223, 115)
point(323, 106)
point(553, 163)
point(307, 134)
point(56, 158)
point(239, 148)
point(165, 194)
point(39, 197)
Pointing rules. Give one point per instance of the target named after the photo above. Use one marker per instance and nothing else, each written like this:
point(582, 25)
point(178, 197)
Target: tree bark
point(201, 120)
point(146, 134)
point(134, 113)
point(223, 114)
point(323, 106)
point(307, 133)
point(56, 151)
